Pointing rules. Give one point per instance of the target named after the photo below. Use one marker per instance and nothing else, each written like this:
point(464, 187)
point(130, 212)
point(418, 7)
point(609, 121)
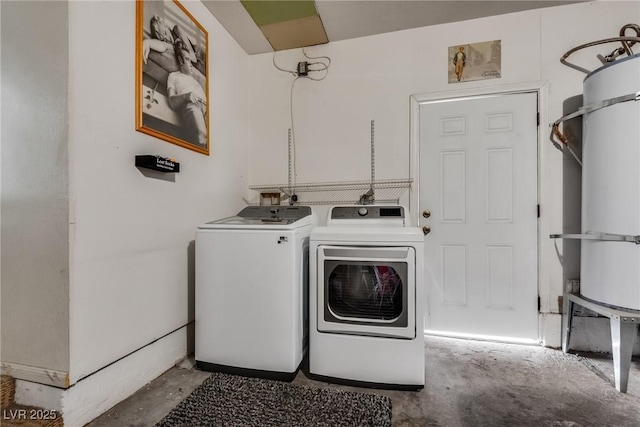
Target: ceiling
point(299, 23)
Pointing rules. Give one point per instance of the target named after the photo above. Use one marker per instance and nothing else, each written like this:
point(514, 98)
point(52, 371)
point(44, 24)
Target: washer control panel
point(271, 212)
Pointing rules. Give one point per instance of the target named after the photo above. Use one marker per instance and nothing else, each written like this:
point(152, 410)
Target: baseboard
point(95, 394)
point(550, 325)
point(49, 377)
point(39, 395)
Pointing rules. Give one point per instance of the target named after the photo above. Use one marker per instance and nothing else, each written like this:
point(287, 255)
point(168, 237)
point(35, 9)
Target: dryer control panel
point(369, 211)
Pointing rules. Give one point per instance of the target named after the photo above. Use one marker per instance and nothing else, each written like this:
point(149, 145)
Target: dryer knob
point(362, 211)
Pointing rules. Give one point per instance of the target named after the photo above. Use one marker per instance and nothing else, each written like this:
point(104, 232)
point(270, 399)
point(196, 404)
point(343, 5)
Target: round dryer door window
point(365, 292)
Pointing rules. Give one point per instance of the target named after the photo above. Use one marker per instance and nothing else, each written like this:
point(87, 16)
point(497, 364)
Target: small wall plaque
point(158, 163)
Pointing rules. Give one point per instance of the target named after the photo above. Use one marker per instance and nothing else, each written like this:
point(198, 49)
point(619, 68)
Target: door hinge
point(539, 304)
point(538, 119)
point(538, 211)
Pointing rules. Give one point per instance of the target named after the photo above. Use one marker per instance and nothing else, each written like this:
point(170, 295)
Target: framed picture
point(172, 84)
point(475, 61)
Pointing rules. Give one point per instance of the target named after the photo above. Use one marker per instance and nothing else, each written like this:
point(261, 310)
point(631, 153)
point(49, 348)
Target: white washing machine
point(251, 294)
point(366, 298)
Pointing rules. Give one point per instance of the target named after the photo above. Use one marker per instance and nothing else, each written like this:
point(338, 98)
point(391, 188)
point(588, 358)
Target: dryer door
point(367, 291)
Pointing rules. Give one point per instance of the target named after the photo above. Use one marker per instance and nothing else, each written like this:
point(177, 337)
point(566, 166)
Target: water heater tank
point(610, 270)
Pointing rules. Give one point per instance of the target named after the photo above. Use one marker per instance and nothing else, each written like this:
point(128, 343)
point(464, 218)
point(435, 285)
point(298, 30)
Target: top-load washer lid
point(265, 216)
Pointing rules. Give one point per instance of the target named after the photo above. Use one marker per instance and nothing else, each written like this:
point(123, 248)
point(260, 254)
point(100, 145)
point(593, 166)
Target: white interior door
point(478, 180)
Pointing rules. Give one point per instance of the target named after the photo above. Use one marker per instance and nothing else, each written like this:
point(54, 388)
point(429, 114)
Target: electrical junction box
point(303, 68)
point(157, 163)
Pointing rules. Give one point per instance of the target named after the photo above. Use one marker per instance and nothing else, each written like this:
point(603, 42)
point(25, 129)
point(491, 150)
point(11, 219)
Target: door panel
point(478, 177)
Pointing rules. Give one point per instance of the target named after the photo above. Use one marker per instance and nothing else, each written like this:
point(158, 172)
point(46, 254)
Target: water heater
point(610, 269)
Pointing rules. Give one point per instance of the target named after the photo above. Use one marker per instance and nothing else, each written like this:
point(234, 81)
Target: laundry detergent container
point(610, 270)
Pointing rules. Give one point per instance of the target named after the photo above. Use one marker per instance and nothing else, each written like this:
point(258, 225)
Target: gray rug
point(229, 400)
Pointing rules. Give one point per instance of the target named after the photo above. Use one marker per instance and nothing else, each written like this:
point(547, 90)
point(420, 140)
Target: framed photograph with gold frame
point(172, 84)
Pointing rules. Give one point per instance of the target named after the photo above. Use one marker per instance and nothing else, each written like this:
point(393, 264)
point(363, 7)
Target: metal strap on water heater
point(555, 127)
point(597, 106)
point(596, 235)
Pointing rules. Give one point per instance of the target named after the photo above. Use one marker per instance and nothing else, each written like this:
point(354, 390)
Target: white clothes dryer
point(251, 293)
point(367, 298)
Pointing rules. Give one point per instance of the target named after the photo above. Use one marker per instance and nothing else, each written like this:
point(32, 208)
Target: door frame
point(545, 251)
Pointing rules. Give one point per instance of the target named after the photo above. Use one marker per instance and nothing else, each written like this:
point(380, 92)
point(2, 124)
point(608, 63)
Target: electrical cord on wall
point(280, 68)
point(293, 136)
point(323, 67)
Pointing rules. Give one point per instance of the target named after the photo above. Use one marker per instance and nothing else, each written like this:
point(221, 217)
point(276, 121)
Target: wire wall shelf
point(337, 193)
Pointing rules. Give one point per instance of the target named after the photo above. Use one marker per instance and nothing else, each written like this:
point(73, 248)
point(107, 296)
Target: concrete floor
point(468, 383)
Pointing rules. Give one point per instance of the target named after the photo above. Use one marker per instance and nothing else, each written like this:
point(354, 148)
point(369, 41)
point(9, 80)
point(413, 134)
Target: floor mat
point(234, 401)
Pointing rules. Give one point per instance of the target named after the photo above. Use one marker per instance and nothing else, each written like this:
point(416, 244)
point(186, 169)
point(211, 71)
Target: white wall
point(370, 78)
point(98, 255)
point(35, 204)
point(131, 263)
point(373, 78)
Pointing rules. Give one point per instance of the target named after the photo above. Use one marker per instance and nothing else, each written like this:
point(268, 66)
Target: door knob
point(426, 213)
point(426, 229)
